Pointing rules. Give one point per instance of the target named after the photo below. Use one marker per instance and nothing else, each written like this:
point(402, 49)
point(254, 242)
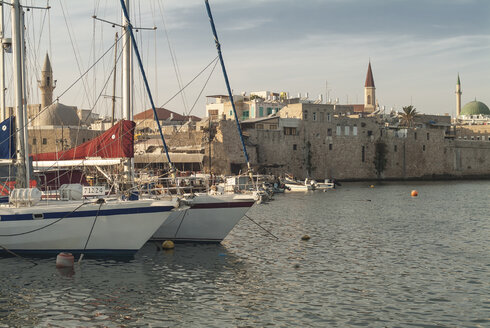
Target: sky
point(416, 49)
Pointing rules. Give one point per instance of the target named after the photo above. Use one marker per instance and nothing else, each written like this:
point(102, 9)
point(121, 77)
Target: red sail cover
point(116, 142)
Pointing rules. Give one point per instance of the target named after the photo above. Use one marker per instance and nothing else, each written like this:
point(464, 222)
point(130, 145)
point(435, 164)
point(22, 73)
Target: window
point(330, 146)
point(252, 111)
point(245, 114)
point(231, 113)
point(427, 135)
point(83, 140)
point(329, 118)
point(269, 110)
point(415, 135)
point(34, 141)
point(289, 131)
point(423, 148)
point(45, 141)
point(363, 125)
point(369, 99)
point(295, 147)
point(363, 154)
point(339, 131)
point(347, 130)
point(394, 148)
point(259, 126)
point(314, 116)
point(354, 130)
point(329, 132)
point(370, 133)
point(272, 126)
point(261, 111)
point(305, 115)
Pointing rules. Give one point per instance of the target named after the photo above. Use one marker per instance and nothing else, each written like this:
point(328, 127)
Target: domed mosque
point(475, 108)
point(473, 120)
point(472, 110)
point(55, 126)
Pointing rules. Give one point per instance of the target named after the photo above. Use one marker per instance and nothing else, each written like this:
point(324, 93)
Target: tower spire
point(369, 91)
point(369, 77)
point(46, 84)
point(458, 97)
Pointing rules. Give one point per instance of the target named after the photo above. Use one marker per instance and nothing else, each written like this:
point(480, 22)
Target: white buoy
point(64, 260)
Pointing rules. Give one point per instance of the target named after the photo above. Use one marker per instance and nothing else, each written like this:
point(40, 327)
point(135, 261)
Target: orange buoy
point(64, 260)
point(414, 193)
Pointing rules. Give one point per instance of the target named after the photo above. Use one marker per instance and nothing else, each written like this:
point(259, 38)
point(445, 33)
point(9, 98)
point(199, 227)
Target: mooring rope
point(50, 224)
point(270, 233)
point(100, 201)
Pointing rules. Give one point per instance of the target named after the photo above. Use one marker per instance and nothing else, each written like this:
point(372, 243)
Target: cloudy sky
point(416, 48)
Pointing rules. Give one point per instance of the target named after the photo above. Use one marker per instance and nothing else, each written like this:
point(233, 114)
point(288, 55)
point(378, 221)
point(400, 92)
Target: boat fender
point(64, 260)
point(168, 244)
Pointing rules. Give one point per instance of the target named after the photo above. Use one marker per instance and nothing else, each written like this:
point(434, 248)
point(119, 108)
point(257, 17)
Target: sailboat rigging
point(108, 225)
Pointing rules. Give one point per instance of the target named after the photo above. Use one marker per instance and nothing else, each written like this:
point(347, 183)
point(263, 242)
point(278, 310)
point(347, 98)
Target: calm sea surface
point(377, 257)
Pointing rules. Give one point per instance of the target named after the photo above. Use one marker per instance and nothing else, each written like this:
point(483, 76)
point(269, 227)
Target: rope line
point(44, 227)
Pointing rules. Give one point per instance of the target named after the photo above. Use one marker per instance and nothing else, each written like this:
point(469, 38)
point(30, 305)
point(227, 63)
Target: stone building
point(258, 104)
point(362, 148)
point(55, 126)
point(169, 121)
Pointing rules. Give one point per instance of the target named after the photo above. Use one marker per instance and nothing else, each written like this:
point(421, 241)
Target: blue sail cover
point(7, 139)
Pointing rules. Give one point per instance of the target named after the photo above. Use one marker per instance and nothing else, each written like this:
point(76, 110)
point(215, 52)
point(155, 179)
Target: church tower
point(47, 84)
point(369, 92)
point(458, 97)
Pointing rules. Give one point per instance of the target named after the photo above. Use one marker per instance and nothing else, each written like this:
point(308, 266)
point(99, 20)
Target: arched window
point(369, 100)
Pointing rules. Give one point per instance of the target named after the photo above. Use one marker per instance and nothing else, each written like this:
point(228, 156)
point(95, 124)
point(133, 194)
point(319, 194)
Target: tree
point(408, 115)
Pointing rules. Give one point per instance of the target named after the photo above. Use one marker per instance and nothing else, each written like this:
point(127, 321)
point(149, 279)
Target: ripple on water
point(376, 257)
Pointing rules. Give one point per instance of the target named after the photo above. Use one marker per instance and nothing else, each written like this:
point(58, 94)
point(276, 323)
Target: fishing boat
point(293, 185)
point(325, 185)
point(95, 226)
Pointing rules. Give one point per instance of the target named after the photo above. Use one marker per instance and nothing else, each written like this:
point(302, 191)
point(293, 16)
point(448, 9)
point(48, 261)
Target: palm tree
point(408, 115)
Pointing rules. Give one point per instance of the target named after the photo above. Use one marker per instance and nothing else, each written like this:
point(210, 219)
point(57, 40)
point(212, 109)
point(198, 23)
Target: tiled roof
point(164, 114)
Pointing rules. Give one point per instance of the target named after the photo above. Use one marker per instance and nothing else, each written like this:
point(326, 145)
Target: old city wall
point(227, 151)
point(319, 152)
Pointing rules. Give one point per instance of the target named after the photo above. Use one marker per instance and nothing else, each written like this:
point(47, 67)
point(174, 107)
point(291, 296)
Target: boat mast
point(218, 47)
point(3, 114)
point(114, 82)
point(22, 181)
point(24, 102)
point(147, 86)
point(127, 86)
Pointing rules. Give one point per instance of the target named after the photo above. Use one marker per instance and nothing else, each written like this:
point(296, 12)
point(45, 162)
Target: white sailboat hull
point(119, 227)
point(208, 219)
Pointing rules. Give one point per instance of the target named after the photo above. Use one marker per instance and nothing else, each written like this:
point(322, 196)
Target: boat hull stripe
point(91, 213)
point(223, 205)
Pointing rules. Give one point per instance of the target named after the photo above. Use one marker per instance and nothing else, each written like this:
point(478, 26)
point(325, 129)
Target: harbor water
point(377, 257)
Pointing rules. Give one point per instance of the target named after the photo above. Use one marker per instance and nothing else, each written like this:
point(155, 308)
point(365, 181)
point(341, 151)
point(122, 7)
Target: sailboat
point(211, 215)
point(29, 225)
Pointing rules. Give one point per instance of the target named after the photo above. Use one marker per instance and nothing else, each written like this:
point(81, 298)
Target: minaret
point(369, 92)
point(458, 97)
point(47, 84)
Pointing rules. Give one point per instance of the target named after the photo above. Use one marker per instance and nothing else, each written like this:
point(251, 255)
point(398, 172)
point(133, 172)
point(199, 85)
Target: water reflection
point(390, 261)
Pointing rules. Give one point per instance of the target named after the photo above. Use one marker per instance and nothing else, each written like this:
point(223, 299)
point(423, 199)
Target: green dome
point(475, 108)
